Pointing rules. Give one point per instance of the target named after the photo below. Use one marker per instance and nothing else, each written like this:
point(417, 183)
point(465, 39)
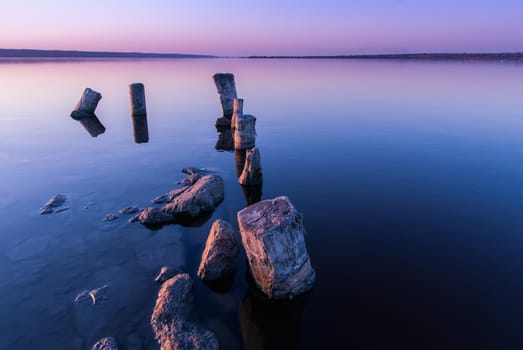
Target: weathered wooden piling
point(139, 112)
point(227, 90)
point(245, 132)
point(237, 109)
point(87, 104)
point(252, 170)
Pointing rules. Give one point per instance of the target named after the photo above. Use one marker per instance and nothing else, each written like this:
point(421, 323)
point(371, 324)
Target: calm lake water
point(409, 176)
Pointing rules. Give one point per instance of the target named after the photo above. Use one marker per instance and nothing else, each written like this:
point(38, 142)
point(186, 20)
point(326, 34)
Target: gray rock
point(252, 170)
point(164, 198)
point(227, 90)
point(170, 318)
point(128, 210)
point(154, 216)
point(197, 199)
point(56, 201)
point(166, 273)
point(272, 234)
point(110, 217)
point(87, 104)
point(221, 252)
point(106, 344)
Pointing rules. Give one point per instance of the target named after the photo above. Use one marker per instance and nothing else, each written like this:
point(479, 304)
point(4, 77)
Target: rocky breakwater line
point(170, 319)
point(273, 236)
point(200, 194)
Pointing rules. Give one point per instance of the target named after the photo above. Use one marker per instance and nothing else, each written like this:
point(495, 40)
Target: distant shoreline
point(68, 54)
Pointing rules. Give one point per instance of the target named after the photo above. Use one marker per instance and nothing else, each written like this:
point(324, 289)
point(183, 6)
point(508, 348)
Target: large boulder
point(203, 196)
point(170, 318)
point(273, 236)
point(221, 252)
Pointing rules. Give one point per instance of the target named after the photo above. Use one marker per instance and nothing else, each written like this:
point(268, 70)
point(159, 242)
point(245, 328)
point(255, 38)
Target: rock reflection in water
point(225, 141)
point(270, 324)
point(92, 124)
point(253, 194)
point(140, 128)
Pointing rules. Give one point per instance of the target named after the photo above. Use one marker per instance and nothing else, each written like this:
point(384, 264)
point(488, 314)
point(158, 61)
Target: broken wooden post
point(87, 104)
point(252, 170)
point(273, 236)
point(139, 112)
point(237, 109)
point(227, 90)
point(245, 132)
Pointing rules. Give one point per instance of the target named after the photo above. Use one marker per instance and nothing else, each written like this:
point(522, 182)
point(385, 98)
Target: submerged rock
point(56, 201)
point(166, 273)
point(128, 210)
point(272, 234)
point(154, 216)
point(221, 252)
point(110, 217)
point(170, 317)
point(197, 199)
point(106, 344)
point(95, 295)
point(191, 171)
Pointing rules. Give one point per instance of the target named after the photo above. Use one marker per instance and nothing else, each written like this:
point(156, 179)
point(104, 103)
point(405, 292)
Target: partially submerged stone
point(56, 201)
point(87, 104)
point(110, 217)
point(106, 344)
point(221, 252)
point(252, 170)
point(94, 295)
point(128, 210)
point(226, 88)
point(197, 199)
point(154, 216)
point(166, 272)
point(273, 236)
point(170, 322)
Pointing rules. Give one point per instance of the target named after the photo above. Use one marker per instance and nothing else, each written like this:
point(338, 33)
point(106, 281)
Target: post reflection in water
point(225, 141)
point(92, 124)
point(140, 128)
point(270, 324)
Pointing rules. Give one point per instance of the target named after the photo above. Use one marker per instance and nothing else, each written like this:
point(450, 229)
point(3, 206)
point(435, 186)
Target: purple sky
point(268, 27)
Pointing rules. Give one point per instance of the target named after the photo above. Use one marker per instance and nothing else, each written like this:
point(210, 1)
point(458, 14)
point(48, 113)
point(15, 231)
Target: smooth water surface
point(409, 176)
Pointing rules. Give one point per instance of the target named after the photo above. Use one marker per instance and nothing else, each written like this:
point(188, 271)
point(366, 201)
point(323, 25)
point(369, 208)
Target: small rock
point(95, 295)
point(154, 216)
point(199, 198)
point(54, 202)
point(161, 199)
point(221, 252)
point(166, 273)
point(106, 344)
point(128, 210)
point(110, 217)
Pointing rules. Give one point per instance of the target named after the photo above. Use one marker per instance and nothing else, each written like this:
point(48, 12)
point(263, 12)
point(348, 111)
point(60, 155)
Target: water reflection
point(225, 141)
point(140, 128)
point(92, 124)
point(270, 324)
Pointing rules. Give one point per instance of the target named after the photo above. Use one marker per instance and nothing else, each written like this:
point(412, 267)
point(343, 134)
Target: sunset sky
point(268, 27)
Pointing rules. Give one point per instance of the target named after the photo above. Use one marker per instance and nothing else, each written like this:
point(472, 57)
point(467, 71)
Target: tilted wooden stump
point(139, 112)
point(227, 90)
point(87, 104)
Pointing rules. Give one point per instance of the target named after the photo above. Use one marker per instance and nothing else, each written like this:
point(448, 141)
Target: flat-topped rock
point(273, 236)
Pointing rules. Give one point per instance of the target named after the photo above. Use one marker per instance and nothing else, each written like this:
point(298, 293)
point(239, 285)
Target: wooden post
point(139, 112)
point(87, 104)
point(237, 109)
point(245, 132)
point(252, 170)
point(227, 90)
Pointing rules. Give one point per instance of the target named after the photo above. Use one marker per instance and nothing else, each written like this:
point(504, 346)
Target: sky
point(264, 27)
